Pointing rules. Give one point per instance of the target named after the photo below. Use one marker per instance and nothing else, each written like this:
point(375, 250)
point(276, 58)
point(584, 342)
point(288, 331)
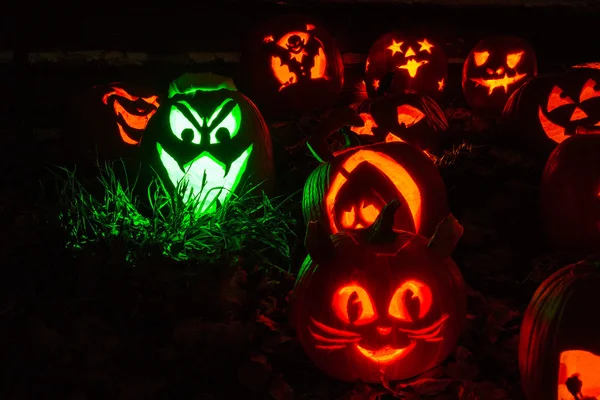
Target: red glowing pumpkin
point(377, 303)
point(292, 66)
point(349, 191)
point(399, 61)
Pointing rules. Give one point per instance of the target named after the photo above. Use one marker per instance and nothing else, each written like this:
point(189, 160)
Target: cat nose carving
point(384, 330)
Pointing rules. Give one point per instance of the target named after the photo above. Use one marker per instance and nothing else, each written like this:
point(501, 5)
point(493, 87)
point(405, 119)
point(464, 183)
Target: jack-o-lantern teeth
point(352, 304)
point(407, 297)
point(152, 100)
point(189, 127)
point(495, 83)
point(367, 128)
point(409, 115)
point(425, 46)
point(556, 99)
point(582, 366)
point(513, 59)
point(480, 58)
point(395, 47)
point(133, 121)
point(588, 91)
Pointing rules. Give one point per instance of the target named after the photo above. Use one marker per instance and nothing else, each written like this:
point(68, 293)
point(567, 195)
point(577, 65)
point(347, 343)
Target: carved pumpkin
point(292, 65)
point(570, 194)
point(494, 69)
point(110, 119)
point(378, 303)
point(398, 61)
point(559, 336)
point(548, 109)
point(405, 117)
point(210, 136)
point(350, 191)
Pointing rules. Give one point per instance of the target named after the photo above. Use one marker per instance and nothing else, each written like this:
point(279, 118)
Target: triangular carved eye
point(512, 60)
point(556, 99)
point(480, 57)
point(588, 90)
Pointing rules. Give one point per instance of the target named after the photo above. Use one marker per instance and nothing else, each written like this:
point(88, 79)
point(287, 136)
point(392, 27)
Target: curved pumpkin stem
point(382, 230)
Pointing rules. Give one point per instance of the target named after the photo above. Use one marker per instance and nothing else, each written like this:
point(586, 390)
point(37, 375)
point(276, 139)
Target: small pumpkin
point(400, 61)
point(111, 118)
point(406, 117)
point(559, 346)
point(548, 109)
point(378, 303)
point(350, 190)
point(570, 194)
point(210, 136)
point(494, 69)
point(292, 66)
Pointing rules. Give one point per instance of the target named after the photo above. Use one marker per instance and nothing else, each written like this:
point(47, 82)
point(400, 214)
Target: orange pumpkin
point(494, 69)
point(402, 117)
point(548, 109)
point(350, 191)
point(291, 65)
point(559, 346)
point(399, 61)
point(378, 303)
point(570, 194)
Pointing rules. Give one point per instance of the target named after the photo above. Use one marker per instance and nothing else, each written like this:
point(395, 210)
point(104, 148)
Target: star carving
point(441, 85)
point(376, 84)
point(395, 47)
point(425, 46)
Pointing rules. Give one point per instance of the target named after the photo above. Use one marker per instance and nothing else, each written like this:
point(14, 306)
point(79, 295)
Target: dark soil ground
point(89, 326)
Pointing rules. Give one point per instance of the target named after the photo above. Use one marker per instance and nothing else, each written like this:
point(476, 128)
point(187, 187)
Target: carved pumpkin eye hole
point(367, 128)
point(368, 214)
point(409, 115)
point(348, 218)
point(513, 59)
point(556, 99)
point(352, 304)
point(588, 90)
point(480, 57)
point(412, 298)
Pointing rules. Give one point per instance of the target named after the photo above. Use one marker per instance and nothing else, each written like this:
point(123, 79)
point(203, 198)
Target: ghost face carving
point(292, 65)
point(494, 69)
point(399, 62)
point(385, 309)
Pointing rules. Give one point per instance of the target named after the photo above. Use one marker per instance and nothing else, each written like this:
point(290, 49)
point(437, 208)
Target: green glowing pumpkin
point(209, 137)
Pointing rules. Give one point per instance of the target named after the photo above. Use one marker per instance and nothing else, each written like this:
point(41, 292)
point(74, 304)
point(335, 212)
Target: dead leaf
point(280, 390)
point(272, 325)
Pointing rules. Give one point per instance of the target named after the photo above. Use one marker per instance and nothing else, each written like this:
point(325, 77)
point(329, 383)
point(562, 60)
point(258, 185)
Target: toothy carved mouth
point(386, 354)
point(503, 82)
point(207, 179)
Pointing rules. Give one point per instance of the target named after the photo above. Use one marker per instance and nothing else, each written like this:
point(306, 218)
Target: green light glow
point(179, 122)
point(205, 177)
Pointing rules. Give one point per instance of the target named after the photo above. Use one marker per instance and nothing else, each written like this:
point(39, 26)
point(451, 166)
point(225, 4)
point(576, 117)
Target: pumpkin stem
point(382, 230)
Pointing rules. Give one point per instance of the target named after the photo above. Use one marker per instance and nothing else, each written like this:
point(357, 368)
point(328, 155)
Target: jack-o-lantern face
point(494, 69)
point(404, 117)
point(350, 191)
point(292, 65)
point(559, 352)
point(578, 374)
point(562, 114)
point(132, 112)
point(391, 309)
point(399, 62)
point(549, 109)
point(209, 137)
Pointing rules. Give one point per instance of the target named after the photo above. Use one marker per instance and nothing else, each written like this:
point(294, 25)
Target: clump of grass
point(451, 156)
point(163, 223)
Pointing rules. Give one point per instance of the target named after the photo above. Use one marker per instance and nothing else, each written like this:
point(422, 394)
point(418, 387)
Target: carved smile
point(503, 82)
point(207, 179)
point(386, 354)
